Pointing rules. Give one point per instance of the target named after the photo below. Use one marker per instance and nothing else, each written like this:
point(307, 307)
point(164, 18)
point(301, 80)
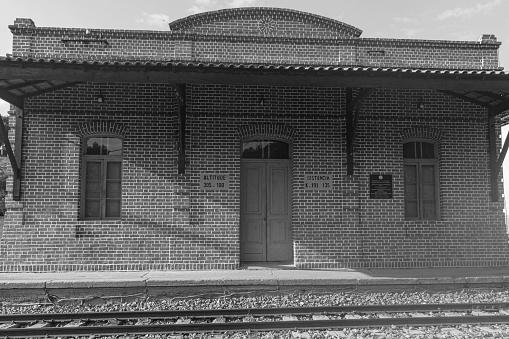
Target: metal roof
point(243, 64)
point(22, 78)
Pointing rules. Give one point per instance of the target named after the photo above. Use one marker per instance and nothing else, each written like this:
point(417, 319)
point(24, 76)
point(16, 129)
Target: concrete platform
point(248, 278)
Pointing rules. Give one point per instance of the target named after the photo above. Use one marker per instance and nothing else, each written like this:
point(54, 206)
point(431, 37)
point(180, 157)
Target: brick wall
point(461, 237)
point(169, 223)
point(252, 35)
point(428, 54)
point(51, 234)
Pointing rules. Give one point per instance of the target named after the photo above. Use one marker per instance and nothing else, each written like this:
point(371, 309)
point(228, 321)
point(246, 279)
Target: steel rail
point(52, 319)
point(253, 311)
point(249, 326)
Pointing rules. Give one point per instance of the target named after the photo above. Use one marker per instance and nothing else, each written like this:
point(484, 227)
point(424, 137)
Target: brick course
point(169, 223)
point(236, 36)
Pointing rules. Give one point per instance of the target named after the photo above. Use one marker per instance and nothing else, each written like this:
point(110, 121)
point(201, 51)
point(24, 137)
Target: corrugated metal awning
point(22, 78)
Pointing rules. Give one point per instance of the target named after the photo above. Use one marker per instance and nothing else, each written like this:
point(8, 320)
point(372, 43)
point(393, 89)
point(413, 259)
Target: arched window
point(265, 149)
point(101, 196)
point(421, 180)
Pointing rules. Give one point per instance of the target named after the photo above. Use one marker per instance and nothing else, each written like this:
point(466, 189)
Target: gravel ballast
point(291, 299)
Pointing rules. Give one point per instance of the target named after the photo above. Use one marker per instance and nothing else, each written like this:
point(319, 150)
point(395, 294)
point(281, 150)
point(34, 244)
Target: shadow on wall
point(505, 169)
point(3, 180)
point(4, 174)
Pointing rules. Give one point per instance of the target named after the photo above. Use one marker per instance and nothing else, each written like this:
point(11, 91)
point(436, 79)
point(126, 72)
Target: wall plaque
point(318, 182)
point(380, 186)
point(214, 182)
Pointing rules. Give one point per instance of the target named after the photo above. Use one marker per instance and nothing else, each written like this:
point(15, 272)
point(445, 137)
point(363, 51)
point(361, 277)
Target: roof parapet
point(24, 22)
point(488, 39)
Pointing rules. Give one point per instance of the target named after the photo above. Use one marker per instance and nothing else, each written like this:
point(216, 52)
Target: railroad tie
point(336, 334)
point(290, 318)
point(183, 321)
point(300, 335)
point(41, 324)
point(320, 317)
point(7, 326)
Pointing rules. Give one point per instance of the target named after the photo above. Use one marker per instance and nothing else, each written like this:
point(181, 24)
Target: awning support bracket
point(181, 102)
point(352, 118)
point(496, 110)
point(495, 164)
point(5, 138)
point(12, 99)
point(502, 155)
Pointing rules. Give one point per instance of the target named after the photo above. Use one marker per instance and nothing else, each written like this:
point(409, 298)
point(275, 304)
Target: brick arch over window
point(422, 132)
point(266, 130)
point(102, 127)
point(255, 21)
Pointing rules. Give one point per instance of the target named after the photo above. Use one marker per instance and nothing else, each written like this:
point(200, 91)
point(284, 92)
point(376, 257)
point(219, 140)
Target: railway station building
point(251, 135)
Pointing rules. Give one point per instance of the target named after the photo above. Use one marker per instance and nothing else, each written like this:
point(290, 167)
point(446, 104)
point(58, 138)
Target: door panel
point(278, 187)
point(279, 218)
point(278, 231)
point(265, 216)
point(253, 185)
point(253, 212)
point(254, 231)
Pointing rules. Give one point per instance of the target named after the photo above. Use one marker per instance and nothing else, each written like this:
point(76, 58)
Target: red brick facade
point(169, 222)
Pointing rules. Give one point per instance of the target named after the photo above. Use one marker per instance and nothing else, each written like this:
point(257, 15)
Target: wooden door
point(253, 212)
point(265, 217)
point(279, 212)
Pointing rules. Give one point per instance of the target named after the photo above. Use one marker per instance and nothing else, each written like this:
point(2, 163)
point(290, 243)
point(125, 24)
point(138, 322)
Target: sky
point(464, 20)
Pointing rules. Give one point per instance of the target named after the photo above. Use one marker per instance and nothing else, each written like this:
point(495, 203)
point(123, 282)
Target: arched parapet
point(264, 21)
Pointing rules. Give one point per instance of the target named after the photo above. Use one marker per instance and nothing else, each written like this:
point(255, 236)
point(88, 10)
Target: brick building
point(253, 134)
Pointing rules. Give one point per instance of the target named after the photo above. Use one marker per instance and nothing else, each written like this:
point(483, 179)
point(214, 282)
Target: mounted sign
point(318, 182)
point(214, 182)
point(380, 186)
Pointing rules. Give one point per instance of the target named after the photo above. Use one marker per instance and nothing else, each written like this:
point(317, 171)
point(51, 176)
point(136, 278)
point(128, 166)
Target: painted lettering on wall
point(318, 182)
point(214, 182)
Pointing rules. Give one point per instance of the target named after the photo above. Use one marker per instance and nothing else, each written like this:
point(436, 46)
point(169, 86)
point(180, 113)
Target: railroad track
point(256, 319)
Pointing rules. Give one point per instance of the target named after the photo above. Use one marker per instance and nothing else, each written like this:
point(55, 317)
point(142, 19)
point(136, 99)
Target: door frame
point(289, 165)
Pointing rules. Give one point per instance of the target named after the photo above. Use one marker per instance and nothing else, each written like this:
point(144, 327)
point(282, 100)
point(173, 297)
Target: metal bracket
point(495, 164)
point(5, 138)
point(180, 90)
point(352, 118)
